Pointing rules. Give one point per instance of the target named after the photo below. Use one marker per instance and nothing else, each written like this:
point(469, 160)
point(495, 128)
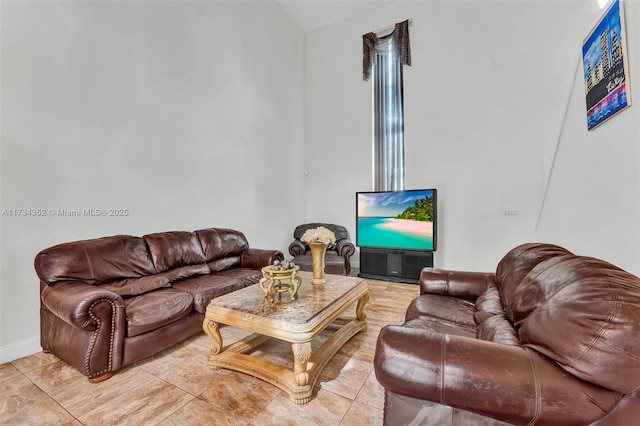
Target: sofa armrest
point(464, 284)
point(345, 248)
point(509, 383)
point(83, 325)
point(297, 248)
point(78, 304)
point(257, 259)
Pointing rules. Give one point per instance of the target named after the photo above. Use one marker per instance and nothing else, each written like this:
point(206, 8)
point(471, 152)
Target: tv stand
point(394, 265)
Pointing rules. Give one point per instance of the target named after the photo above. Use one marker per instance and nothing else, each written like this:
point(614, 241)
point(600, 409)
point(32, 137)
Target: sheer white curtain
point(383, 59)
point(388, 119)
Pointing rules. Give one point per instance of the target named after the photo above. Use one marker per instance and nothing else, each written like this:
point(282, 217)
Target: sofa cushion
point(219, 243)
point(183, 272)
point(445, 308)
point(136, 286)
point(497, 329)
point(434, 325)
point(171, 250)
point(223, 263)
point(207, 287)
point(517, 263)
point(246, 276)
point(487, 305)
point(156, 309)
point(580, 313)
point(530, 294)
point(95, 261)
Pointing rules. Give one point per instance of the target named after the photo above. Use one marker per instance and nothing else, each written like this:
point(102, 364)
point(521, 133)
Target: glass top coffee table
point(297, 322)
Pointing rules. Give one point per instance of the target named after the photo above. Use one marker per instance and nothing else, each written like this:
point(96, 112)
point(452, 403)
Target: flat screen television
point(397, 220)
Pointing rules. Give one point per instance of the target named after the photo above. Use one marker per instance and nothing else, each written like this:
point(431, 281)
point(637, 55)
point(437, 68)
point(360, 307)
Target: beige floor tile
point(344, 376)
point(193, 375)
point(202, 340)
point(56, 376)
point(372, 392)
point(276, 351)
point(36, 360)
point(22, 403)
point(158, 364)
point(239, 394)
point(81, 397)
point(361, 346)
point(164, 361)
point(149, 403)
point(325, 408)
point(9, 372)
point(184, 350)
point(280, 353)
point(362, 415)
point(198, 412)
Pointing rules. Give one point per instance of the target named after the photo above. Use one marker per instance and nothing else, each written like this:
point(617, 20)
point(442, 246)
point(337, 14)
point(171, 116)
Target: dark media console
point(394, 265)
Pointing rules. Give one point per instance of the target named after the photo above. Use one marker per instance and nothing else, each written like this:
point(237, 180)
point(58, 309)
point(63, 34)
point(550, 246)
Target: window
point(383, 59)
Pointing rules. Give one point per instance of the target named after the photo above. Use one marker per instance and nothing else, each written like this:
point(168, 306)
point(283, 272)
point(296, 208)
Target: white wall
point(592, 204)
point(188, 114)
point(485, 101)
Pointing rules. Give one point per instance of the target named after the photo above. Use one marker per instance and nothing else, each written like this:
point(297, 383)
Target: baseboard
point(20, 349)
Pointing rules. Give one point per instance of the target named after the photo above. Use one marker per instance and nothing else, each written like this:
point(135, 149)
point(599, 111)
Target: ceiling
point(311, 15)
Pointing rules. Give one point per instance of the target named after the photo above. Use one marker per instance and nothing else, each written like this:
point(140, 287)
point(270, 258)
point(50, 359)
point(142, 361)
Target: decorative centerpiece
point(318, 239)
point(281, 277)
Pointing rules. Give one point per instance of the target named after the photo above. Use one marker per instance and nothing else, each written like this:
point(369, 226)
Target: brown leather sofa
point(550, 338)
point(337, 259)
point(109, 302)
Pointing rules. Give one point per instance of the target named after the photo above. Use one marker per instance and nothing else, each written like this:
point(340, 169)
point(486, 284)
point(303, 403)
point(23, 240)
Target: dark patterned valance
point(400, 37)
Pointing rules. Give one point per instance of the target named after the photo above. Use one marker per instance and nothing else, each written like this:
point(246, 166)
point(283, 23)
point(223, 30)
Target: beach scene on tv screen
point(396, 220)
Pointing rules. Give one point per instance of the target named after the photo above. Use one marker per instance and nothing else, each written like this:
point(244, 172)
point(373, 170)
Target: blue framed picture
point(606, 72)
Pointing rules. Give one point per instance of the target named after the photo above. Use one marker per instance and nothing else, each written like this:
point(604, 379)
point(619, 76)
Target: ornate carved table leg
point(211, 328)
point(301, 354)
point(360, 307)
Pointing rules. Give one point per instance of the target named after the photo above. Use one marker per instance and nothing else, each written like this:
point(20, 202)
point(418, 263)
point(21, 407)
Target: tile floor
point(176, 387)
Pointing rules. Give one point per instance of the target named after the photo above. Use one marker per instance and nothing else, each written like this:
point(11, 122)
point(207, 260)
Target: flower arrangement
point(318, 235)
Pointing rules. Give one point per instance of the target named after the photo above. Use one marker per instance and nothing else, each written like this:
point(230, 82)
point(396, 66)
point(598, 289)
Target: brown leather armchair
point(337, 258)
point(550, 338)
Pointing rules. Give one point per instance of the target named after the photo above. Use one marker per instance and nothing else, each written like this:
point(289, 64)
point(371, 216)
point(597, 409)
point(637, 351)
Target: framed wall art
point(606, 71)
